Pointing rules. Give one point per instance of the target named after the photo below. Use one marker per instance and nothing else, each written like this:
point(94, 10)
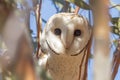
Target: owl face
point(65, 34)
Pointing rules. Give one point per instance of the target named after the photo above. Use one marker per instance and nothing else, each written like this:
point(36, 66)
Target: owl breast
point(64, 67)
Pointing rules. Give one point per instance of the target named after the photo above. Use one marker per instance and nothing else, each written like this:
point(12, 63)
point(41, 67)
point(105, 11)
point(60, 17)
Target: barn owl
point(64, 40)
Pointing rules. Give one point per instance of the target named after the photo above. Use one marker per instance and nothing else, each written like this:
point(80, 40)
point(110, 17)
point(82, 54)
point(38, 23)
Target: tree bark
point(116, 61)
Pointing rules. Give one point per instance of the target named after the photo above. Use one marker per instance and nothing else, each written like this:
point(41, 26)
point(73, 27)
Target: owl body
point(64, 67)
point(64, 40)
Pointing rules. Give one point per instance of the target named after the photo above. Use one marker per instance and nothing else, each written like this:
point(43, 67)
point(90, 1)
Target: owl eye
point(57, 31)
point(77, 32)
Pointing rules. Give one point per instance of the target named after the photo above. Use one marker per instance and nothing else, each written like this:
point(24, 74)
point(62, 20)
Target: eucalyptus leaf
point(116, 30)
point(115, 42)
point(116, 25)
point(80, 3)
point(115, 20)
point(63, 5)
point(59, 1)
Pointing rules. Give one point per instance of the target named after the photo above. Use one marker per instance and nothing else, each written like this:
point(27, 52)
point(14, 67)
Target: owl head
point(65, 34)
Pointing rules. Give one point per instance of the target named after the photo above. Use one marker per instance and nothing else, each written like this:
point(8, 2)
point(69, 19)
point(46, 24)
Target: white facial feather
point(66, 42)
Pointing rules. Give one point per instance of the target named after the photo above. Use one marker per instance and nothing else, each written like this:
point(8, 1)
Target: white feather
point(61, 65)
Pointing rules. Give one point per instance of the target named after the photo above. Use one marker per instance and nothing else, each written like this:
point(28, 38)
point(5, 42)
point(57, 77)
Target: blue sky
point(48, 10)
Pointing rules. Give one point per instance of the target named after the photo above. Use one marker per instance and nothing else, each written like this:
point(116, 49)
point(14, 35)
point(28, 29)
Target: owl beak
point(67, 42)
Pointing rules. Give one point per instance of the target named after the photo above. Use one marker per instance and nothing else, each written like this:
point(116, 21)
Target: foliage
point(115, 42)
point(59, 1)
point(116, 20)
point(63, 4)
point(116, 25)
point(80, 3)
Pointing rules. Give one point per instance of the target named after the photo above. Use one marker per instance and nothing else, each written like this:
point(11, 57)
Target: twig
point(114, 6)
point(77, 10)
point(38, 26)
point(116, 61)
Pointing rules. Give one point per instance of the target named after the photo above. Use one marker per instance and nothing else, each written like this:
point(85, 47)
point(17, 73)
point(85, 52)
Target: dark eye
point(77, 32)
point(57, 31)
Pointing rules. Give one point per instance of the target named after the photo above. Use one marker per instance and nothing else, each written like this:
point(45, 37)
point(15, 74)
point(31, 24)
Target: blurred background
point(21, 21)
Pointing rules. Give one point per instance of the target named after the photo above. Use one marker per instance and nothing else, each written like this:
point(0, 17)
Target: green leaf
point(59, 1)
point(80, 3)
point(116, 30)
point(116, 25)
point(115, 42)
point(115, 20)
